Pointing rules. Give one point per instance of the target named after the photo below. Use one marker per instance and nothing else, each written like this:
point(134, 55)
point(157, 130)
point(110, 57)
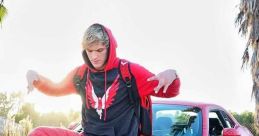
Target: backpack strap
point(124, 70)
point(79, 80)
point(81, 71)
point(144, 115)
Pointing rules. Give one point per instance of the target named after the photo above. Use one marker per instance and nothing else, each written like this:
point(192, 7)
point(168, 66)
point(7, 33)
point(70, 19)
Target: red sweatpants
point(52, 131)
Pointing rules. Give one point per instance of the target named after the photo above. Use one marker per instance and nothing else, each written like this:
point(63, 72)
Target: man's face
point(97, 54)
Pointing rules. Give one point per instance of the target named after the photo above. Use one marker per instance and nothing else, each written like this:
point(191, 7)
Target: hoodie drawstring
point(86, 99)
point(105, 94)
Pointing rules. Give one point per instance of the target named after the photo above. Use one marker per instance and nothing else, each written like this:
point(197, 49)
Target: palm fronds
point(3, 11)
point(248, 22)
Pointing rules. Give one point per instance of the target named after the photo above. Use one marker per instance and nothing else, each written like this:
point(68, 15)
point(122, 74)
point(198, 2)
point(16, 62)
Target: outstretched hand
point(31, 77)
point(164, 78)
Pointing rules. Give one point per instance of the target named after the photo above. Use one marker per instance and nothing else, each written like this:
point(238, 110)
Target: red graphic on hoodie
point(104, 102)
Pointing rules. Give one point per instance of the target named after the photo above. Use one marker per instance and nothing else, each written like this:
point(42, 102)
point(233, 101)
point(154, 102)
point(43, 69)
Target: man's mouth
point(95, 62)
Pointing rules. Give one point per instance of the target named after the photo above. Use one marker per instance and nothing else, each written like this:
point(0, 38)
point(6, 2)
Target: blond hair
point(95, 33)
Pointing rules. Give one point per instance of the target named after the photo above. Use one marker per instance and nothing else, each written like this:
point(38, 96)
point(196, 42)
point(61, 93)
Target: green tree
point(248, 22)
point(26, 125)
point(5, 104)
point(3, 11)
point(74, 116)
point(181, 122)
point(28, 110)
point(54, 119)
point(9, 109)
point(246, 119)
point(9, 103)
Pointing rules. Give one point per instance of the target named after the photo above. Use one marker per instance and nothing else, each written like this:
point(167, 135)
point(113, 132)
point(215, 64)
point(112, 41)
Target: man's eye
point(100, 50)
point(89, 51)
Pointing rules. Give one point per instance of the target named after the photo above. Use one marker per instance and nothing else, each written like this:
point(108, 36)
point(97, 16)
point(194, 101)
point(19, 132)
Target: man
point(106, 108)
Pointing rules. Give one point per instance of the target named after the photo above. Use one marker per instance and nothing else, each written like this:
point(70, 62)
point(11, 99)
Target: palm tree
point(248, 22)
point(3, 11)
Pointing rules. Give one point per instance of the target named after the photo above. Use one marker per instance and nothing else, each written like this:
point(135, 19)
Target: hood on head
point(111, 58)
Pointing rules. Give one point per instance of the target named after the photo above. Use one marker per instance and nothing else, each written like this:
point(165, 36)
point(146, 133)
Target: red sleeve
point(147, 87)
point(62, 88)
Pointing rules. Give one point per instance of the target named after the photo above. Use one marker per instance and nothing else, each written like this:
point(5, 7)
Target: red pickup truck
point(182, 118)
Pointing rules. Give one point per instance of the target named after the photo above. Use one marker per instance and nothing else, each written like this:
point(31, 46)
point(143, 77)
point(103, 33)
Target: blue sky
point(197, 38)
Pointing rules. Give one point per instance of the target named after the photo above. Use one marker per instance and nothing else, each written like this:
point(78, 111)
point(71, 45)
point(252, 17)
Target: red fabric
point(67, 87)
point(140, 73)
point(124, 69)
point(81, 70)
point(147, 88)
point(62, 88)
point(49, 131)
point(113, 60)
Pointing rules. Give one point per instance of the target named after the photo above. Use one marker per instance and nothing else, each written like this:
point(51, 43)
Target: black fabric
point(91, 130)
point(215, 128)
point(120, 118)
point(79, 83)
point(143, 114)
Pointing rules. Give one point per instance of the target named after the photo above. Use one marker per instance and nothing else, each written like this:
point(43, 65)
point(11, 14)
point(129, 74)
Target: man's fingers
point(34, 77)
point(158, 87)
point(165, 88)
point(31, 77)
point(152, 78)
point(29, 88)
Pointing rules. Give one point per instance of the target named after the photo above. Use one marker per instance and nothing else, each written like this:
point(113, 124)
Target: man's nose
point(94, 55)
